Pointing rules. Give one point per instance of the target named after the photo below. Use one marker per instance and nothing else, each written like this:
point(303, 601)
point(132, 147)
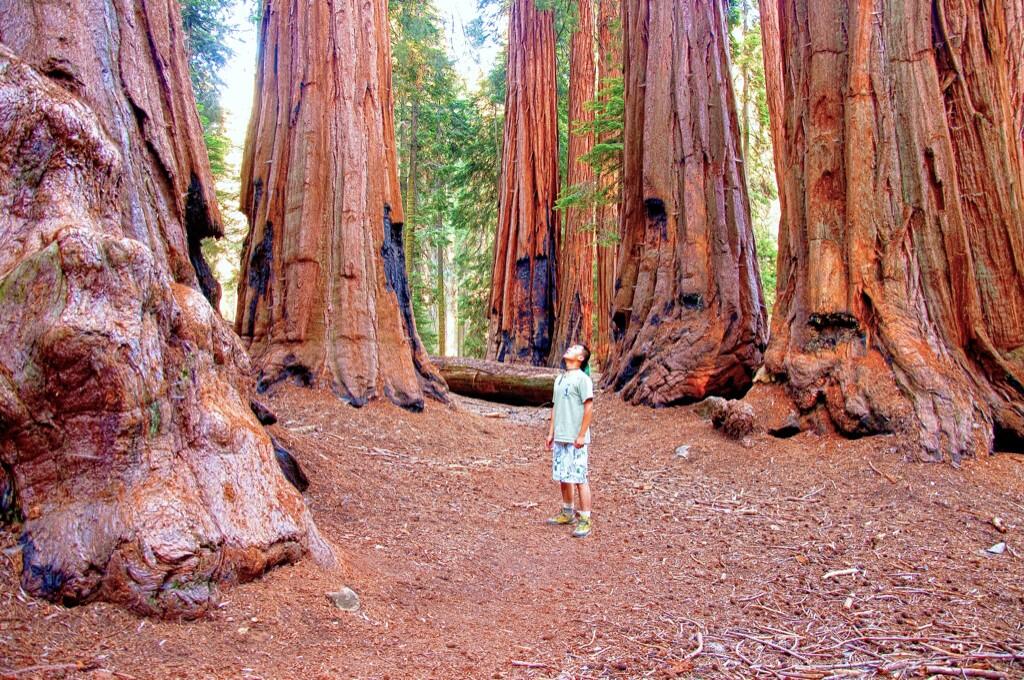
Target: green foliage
point(207, 28)
point(457, 145)
point(755, 133)
point(605, 157)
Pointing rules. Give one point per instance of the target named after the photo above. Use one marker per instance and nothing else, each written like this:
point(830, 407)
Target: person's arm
point(588, 414)
point(550, 441)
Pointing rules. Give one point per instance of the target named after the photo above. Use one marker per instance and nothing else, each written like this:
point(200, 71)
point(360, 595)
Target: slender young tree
point(609, 52)
point(523, 280)
point(575, 309)
point(901, 295)
point(140, 472)
point(323, 296)
point(688, 317)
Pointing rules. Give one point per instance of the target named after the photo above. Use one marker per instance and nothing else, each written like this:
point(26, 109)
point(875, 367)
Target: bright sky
point(240, 73)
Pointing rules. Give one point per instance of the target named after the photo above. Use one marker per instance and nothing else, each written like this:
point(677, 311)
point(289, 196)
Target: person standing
point(569, 438)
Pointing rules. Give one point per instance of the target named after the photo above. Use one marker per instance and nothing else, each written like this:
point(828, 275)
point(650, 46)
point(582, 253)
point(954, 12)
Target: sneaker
point(583, 528)
point(565, 517)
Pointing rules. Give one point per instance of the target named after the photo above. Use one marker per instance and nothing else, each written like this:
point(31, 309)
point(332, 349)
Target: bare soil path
point(809, 557)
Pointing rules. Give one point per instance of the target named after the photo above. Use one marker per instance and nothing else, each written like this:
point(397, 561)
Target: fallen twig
point(700, 647)
point(964, 672)
point(531, 664)
point(840, 572)
point(883, 474)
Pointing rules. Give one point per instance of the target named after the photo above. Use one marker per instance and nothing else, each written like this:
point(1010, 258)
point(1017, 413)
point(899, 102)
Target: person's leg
point(566, 494)
point(559, 462)
point(583, 490)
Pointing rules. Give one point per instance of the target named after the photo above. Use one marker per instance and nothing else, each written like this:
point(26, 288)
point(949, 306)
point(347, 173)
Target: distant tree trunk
point(410, 192)
point(745, 78)
point(324, 298)
point(609, 50)
point(771, 50)
point(141, 474)
point(523, 282)
point(574, 318)
point(442, 301)
point(689, 316)
point(901, 295)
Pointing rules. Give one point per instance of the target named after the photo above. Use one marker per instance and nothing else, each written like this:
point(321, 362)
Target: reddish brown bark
point(523, 281)
point(901, 296)
point(574, 316)
point(1014, 10)
point(771, 52)
point(141, 473)
point(609, 50)
point(688, 313)
point(323, 294)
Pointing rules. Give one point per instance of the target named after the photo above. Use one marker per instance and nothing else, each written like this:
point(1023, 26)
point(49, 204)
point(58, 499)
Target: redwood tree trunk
point(771, 52)
point(901, 295)
point(1014, 10)
point(141, 473)
point(323, 293)
point(689, 319)
point(609, 50)
point(523, 281)
point(575, 310)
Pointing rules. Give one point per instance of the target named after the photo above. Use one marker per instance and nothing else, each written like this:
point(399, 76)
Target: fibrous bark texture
point(1014, 12)
point(323, 293)
point(688, 318)
point(523, 282)
point(901, 295)
point(609, 50)
point(141, 473)
point(574, 312)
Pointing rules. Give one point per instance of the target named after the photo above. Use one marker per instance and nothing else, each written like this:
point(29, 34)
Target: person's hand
point(580, 442)
point(550, 441)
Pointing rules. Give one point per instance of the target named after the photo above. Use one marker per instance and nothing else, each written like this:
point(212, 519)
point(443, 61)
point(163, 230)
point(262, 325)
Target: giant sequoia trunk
point(901, 258)
point(575, 309)
point(523, 280)
point(1014, 10)
point(609, 50)
point(323, 294)
point(141, 473)
point(688, 318)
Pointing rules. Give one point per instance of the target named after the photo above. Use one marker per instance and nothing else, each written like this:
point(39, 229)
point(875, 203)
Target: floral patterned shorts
point(569, 464)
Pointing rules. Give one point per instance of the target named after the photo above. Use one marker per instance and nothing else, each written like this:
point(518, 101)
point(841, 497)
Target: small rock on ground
point(344, 599)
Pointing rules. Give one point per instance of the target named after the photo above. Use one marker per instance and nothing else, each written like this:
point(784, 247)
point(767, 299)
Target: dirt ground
point(807, 557)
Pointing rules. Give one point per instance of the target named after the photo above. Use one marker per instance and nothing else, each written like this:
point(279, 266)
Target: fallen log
point(506, 383)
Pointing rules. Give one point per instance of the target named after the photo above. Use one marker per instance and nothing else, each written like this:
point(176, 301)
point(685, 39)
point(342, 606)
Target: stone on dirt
point(344, 599)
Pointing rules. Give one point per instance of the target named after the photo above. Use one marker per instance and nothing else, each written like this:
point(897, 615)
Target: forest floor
point(808, 557)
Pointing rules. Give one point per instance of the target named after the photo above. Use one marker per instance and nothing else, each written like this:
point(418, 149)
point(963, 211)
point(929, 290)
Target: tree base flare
point(141, 472)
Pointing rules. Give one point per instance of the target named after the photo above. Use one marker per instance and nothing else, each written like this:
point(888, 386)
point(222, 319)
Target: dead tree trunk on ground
point(689, 318)
point(505, 383)
point(575, 311)
point(901, 295)
point(141, 474)
point(323, 293)
point(523, 282)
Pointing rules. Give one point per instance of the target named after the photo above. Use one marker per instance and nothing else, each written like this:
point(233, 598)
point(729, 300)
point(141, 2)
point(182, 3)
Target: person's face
point(574, 353)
